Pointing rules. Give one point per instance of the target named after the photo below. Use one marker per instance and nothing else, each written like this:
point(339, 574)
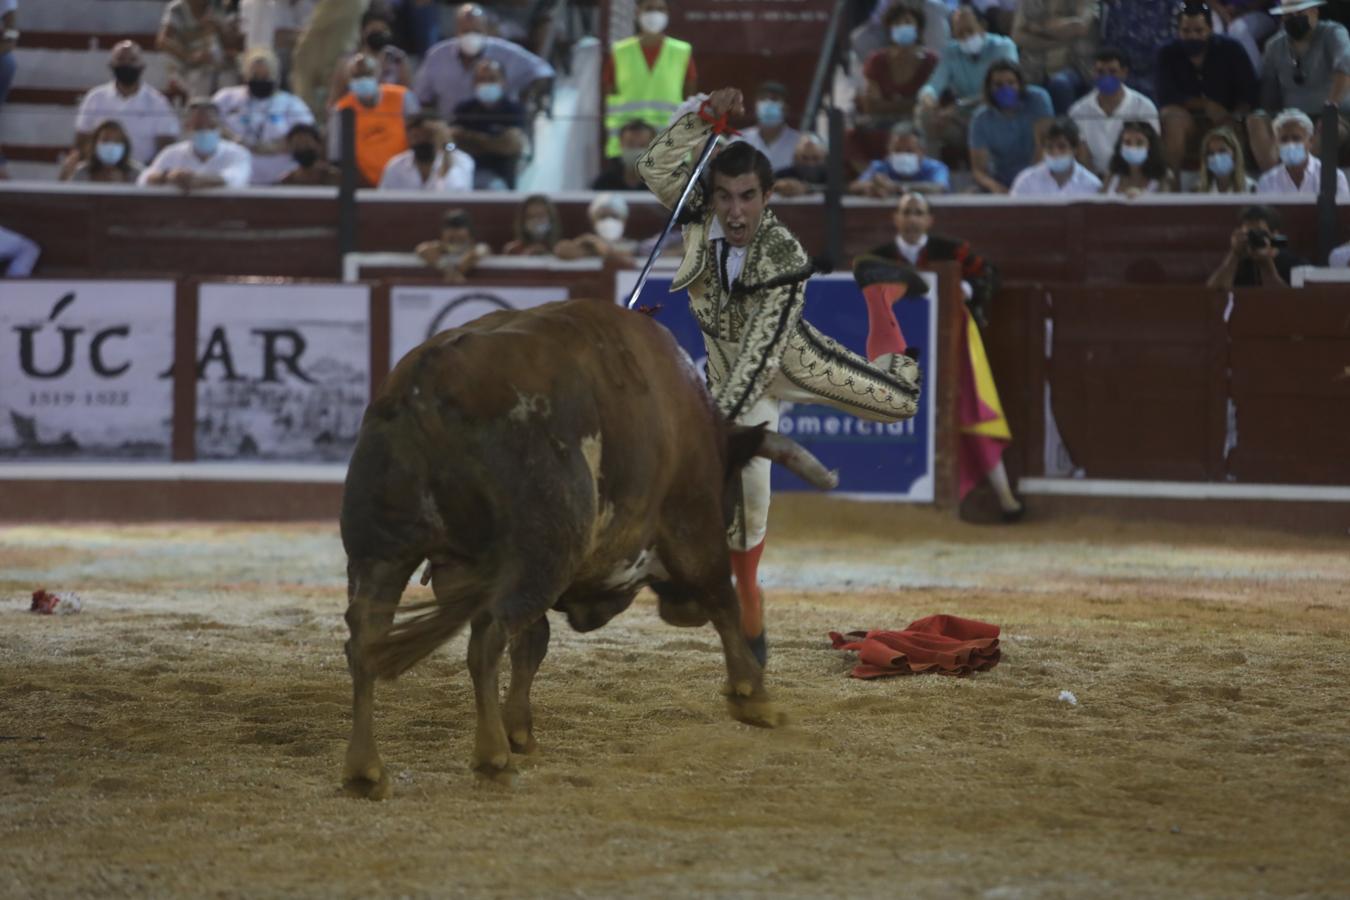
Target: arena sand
point(183, 734)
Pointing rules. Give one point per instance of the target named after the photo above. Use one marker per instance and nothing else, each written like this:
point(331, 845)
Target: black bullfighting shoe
point(760, 648)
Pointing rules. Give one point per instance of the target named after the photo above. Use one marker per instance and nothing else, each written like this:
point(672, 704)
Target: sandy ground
point(183, 735)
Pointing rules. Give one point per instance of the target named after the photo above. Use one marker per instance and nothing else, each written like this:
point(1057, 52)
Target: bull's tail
point(461, 594)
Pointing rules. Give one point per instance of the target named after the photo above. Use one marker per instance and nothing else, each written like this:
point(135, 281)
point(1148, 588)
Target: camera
point(1260, 239)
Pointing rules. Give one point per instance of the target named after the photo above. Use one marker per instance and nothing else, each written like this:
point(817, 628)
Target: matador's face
point(738, 203)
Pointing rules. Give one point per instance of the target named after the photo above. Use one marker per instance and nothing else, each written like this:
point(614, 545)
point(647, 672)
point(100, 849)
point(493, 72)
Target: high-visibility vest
point(380, 131)
point(651, 94)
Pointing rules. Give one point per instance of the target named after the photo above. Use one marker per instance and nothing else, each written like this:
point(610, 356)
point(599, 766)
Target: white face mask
point(906, 164)
point(653, 22)
point(471, 43)
point(973, 44)
point(609, 228)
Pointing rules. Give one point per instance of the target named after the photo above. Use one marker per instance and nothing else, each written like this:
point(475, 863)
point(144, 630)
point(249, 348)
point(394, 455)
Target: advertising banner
point(85, 370)
point(875, 460)
point(283, 371)
point(418, 311)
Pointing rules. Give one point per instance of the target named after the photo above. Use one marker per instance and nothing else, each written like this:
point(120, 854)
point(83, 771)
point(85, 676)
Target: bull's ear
point(743, 443)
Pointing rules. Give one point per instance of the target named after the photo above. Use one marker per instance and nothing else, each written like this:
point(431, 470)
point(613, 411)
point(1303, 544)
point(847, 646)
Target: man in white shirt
point(259, 116)
point(445, 78)
point(142, 111)
point(1059, 174)
point(204, 160)
point(771, 135)
point(1101, 114)
point(1299, 171)
point(430, 163)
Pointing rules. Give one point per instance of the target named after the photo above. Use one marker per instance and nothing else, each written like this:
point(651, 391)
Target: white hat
point(1296, 6)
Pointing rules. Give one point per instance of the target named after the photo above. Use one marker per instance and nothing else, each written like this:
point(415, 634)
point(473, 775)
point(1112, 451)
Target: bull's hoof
point(522, 742)
point(505, 776)
point(373, 784)
point(757, 712)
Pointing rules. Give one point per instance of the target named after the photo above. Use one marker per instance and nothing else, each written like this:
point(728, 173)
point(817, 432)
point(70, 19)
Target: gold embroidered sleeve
point(665, 165)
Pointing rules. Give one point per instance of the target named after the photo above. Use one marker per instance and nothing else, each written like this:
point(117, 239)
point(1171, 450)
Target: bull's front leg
point(528, 649)
point(746, 698)
point(491, 752)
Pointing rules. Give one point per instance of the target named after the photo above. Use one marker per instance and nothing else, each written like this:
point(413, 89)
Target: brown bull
point(561, 457)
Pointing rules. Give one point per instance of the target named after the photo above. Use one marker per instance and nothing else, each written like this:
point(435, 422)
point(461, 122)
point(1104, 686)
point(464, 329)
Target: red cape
point(942, 644)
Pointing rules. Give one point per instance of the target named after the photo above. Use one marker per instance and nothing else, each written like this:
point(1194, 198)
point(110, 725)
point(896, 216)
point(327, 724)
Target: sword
point(674, 216)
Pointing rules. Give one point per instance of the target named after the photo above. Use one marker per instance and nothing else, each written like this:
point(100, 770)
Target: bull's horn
point(795, 458)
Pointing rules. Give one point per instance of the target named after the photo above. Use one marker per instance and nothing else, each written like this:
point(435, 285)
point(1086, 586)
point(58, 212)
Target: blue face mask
point(769, 112)
point(1107, 84)
point(1293, 154)
point(1006, 96)
point(206, 141)
point(1220, 164)
point(1059, 164)
point(489, 92)
point(1134, 156)
point(365, 88)
point(108, 153)
point(905, 35)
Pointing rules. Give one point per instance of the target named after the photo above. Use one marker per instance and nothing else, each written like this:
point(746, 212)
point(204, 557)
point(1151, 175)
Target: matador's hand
point(726, 100)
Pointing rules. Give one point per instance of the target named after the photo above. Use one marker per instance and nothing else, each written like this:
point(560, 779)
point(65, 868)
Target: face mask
point(1293, 154)
point(1135, 156)
point(1006, 96)
point(1059, 164)
point(378, 40)
point(206, 141)
point(1107, 84)
point(609, 229)
point(538, 230)
point(630, 156)
point(365, 88)
point(306, 157)
point(127, 75)
point(973, 44)
point(424, 151)
point(1220, 164)
point(653, 22)
point(906, 164)
point(471, 43)
point(769, 112)
point(109, 154)
point(1194, 47)
point(261, 88)
point(1297, 27)
point(904, 35)
point(489, 92)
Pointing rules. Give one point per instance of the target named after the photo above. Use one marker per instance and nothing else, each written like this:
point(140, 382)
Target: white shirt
point(145, 115)
point(400, 173)
point(256, 122)
point(231, 162)
point(1100, 130)
point(911, 251)
point(1278, 181)
point(1037, 181)
point(735, 255)
point(1340, 257)
point(780, 151)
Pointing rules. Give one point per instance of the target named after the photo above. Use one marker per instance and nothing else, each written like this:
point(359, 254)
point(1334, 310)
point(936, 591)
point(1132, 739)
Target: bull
point(563, 458)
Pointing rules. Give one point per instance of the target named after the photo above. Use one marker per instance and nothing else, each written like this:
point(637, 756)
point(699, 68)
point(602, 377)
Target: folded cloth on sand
point(942, 644)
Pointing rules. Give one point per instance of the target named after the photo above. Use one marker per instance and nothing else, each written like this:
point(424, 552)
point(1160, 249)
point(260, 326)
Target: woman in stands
point(538, 229)
point(110, 160)
point(1137, 167)
point(1223, 170)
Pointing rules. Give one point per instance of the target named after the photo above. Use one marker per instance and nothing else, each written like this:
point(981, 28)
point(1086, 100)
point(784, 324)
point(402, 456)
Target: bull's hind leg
point(528, 649)
point(491, 752)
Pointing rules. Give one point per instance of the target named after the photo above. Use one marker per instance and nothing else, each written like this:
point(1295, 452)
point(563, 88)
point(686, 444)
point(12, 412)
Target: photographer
point(1258, 254)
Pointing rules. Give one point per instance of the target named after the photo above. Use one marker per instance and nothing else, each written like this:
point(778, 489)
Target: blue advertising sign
point(875, 461)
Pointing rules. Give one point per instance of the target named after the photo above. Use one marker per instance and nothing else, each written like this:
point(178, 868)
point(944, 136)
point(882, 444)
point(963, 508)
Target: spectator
point(1059, 174)
point(1258, 255)
point(457, 253)
point(377, 36)
point(1248, 22)
point(998, 13)
point(143, 112)
point(430, 163)
point(18, 253)
point(538, 228)
point(1305, 67)
point(204, 160)
point(1205, 81)
point(1007, 131)
point(894, 73)
point(1340, 257)
point(380, 112)
point(1100, 115)
point(1299, 171)
point(491, 129)
point(200, 41)
point(1056, 40)
point(1137, 28)
point(948, 101)
point(904, 169)
point(808, 173)
point(9, 38)
point(933, 28)
point(646, 76)
point(445, 78)
point(1223, 169)
point(609, 217)
point(305, 145)
point(620, 173)
point(111, 159)
point(418, 25)
point(1137, 167)
point(259, 116)
point(771, 135)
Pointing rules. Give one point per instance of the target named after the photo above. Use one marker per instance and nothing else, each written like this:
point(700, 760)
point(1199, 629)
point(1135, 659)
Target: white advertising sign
point(417, 312)
point(283, 371)
point(85, 369)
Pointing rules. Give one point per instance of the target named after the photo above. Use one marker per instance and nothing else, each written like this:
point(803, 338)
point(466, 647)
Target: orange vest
point(380, 135)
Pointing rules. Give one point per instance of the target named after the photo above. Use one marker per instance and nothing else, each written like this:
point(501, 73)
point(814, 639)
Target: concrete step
point(106, 16)
point(23, 170)
point(37, 125)
point(76, 69)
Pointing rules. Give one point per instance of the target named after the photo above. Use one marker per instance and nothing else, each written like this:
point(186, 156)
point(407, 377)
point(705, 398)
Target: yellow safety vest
point(650, 94)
